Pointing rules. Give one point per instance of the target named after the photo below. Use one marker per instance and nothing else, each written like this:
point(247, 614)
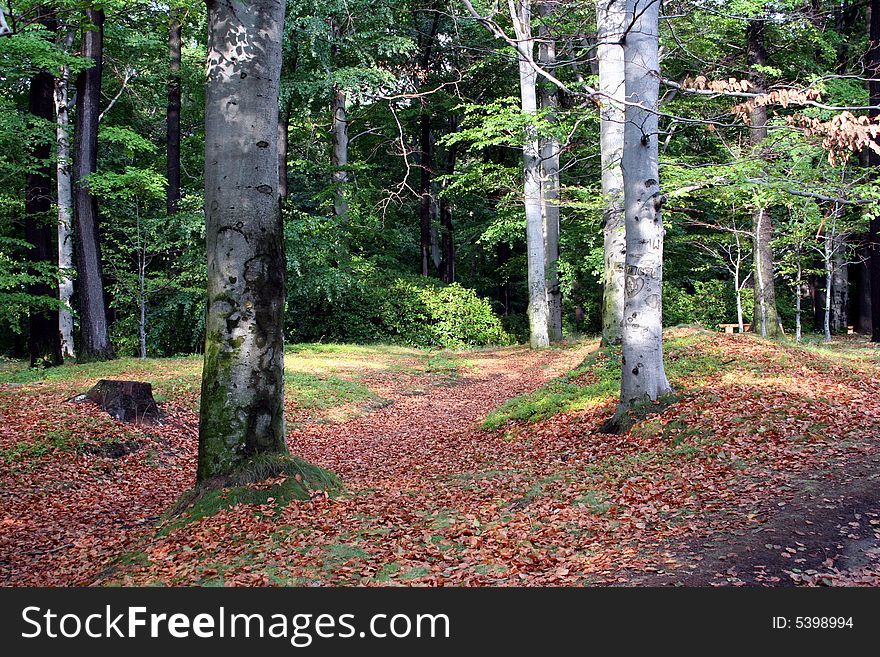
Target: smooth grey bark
point(839, 285)
point(538, 309)
point(172, 116)
point(643, 377)
point(94, 341)
point(611, 22)
point(340, 154)
point(828, 261)
point(765, 321)
point(242, 402)
point(64, 191)
point(550, 186)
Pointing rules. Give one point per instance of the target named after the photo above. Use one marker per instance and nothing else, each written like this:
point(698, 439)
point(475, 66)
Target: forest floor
point(481, 467)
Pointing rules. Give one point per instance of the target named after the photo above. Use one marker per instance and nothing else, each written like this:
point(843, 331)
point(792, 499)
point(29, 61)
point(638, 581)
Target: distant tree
point(94, 331)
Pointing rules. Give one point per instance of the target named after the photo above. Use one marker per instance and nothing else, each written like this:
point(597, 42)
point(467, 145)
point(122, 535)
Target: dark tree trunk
point(425, 198)
point(872, 66)
point(860, 308)
point(283, 148)
point(44, 339)
point(426, 155)
point(173, 116)
point(95, 336)
point(817, 287)
point(242, 403)
point(447, 242)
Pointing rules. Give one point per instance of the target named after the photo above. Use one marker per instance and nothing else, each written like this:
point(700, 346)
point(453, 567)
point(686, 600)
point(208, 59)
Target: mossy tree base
point(301, 481)
point(625, 418)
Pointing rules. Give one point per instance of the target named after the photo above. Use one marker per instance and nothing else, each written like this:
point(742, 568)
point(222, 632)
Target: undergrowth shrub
point(372, 305)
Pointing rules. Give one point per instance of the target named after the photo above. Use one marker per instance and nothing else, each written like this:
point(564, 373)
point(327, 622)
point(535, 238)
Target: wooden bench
point(729, 328)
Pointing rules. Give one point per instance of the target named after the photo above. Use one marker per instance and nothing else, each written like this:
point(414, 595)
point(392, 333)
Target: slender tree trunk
point(538, 309)
point(643, 376)
point(142, 307)
point(839, 286)
point(828, 260)
point(872, 66)
point(611, 21)
point(765, 321)
point(426, 199)
point(94, 334)
point(340, 155)
point(550, 186)
point(173, 116)
point(863, 294)
point(503, 252)
point(242, 402)
point(44, 339)
point(798, 299)
point(447, 265)
point(283, 147)
point(64, 188)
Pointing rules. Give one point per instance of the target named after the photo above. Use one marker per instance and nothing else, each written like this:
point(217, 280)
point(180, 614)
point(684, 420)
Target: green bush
point(380, 306)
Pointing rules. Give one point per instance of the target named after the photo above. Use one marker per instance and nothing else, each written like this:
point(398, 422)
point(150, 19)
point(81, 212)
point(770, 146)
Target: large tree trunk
point(242, 404)
point(64, 188)
point(44, 338)
point(538, 310)
point(643, 376)
point(611, 18)
point(550, 186)
point(173, 116)
point(94, 333)
point(765, 321)
point(872, 66)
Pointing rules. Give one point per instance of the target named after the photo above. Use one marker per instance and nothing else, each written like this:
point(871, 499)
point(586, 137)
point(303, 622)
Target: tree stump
point(128, 401)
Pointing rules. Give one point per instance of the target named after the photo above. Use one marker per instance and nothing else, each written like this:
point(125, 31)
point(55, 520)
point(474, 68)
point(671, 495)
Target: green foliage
point(375, 305)
point(710, 304)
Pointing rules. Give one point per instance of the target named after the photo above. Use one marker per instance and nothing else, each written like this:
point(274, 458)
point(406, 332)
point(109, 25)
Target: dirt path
point(427, 415)
point(825, 531)
point(65, 515)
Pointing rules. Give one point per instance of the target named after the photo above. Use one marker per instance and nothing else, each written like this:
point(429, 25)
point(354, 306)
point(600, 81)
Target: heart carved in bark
point(633, 285)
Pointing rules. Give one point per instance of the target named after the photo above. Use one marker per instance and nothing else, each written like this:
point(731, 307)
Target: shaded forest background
point(402, 170)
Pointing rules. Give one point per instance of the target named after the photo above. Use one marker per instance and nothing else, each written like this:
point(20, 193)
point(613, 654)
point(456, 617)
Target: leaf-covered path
point(72, 507)
point(762, 472)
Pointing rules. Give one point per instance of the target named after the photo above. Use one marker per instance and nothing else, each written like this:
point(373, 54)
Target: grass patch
point(40, 445)
point(564, 394)
point(309, 391)
point(596, 381)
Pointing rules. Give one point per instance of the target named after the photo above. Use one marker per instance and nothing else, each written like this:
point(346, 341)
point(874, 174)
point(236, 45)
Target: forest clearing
point(478, 467)
point(410, 294)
